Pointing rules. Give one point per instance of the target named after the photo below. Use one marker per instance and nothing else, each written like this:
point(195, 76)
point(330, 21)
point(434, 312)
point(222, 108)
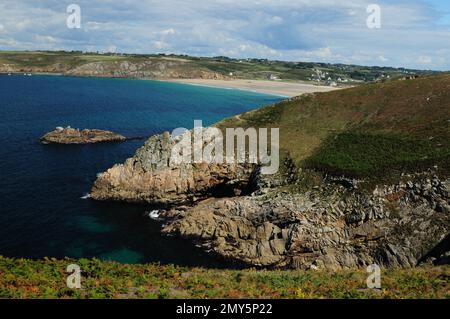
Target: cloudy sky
point(413, 33)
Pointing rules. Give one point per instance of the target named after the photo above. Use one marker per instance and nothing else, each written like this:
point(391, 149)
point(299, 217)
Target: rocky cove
point(57, 178)
point(237, 213)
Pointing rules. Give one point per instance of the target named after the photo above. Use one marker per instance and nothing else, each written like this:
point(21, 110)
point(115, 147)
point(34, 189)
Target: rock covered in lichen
point(70, 135)
point(152, 176)
point(397, 226)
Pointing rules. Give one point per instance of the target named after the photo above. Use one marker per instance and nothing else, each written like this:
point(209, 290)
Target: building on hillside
point(273, 77)
point(331, 83)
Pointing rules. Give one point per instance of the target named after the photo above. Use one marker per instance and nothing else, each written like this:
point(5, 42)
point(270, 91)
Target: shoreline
point(277, 88)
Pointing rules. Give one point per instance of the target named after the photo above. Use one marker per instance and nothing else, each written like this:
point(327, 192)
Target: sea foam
point(154, 214)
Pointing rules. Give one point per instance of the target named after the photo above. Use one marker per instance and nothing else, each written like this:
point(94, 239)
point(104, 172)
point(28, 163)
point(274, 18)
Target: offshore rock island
point(362, 182)
point(70, 135)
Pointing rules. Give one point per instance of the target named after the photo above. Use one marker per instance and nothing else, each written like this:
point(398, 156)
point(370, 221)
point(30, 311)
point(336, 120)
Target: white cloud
point(44, 39)
point(424, 60)
point(320, 30)
point(99, 26)
point(112, 49)
point(323, 53)
point(160, 45)
point(8, 42)
point(275, 20)
point(168, 31)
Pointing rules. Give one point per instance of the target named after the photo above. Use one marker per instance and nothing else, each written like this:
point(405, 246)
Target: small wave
point(154, 214)
point(87, 196)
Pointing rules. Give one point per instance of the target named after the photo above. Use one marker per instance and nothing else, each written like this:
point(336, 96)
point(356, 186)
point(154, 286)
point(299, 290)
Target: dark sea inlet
point(43, 212)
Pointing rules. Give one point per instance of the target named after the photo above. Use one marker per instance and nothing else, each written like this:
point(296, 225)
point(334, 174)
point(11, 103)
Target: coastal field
point(21, 278)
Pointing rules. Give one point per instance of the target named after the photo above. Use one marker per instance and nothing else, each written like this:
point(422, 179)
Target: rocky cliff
point(148, 68)
point(234, 212)
point(145, 69)
point(324, 208)
point(331, 227)
point(151, 176)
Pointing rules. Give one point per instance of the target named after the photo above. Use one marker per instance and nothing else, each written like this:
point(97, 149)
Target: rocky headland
point(70, 135)
point(236, 213)
point(330, 227)
point(151, 176)
point(361, 182)
point(143, 69)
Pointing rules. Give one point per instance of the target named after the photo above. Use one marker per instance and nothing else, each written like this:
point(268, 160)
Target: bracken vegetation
point(21, 278)
point(362, 155)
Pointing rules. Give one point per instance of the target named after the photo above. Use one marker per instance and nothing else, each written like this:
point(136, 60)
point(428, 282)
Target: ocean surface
point(42, 210)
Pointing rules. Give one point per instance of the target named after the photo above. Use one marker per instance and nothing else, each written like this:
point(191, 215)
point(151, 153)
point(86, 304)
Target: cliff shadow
point(439, 252)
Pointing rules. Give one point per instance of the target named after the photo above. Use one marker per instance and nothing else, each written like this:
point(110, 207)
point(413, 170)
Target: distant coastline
point(278, 78)
point(279, 88)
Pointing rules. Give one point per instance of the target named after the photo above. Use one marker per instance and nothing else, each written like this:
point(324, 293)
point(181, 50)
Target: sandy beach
point(287, 89)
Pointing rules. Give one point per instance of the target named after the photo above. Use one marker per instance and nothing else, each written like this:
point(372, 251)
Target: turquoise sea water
point(41, 186)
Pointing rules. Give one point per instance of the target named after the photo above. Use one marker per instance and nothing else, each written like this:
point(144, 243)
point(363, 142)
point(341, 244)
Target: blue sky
point(413, 33)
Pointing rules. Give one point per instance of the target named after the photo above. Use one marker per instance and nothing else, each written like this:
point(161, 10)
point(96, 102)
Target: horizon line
point(219, 56)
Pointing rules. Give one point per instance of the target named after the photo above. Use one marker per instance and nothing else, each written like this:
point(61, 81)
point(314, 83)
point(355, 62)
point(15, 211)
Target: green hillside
point(62, 61)
point(374, 130)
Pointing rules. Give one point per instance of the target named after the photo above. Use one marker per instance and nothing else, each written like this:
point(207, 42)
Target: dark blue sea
point(42, 213)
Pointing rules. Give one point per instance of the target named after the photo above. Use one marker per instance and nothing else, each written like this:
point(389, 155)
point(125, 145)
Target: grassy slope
point(245, 69)
point(47, 279)
point(373, 130)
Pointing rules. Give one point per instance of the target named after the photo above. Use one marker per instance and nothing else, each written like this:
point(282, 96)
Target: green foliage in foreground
point(22, 278)
point(362, 155)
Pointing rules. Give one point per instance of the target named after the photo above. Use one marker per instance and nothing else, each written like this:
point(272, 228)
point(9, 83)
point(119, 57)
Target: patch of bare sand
point(288, 89)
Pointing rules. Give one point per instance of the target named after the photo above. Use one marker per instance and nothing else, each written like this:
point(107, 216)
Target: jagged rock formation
point(150, 69)
point(329, 228)
point(332, 226)
point(151, 176)
point(70, 135)
point(164, 69)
